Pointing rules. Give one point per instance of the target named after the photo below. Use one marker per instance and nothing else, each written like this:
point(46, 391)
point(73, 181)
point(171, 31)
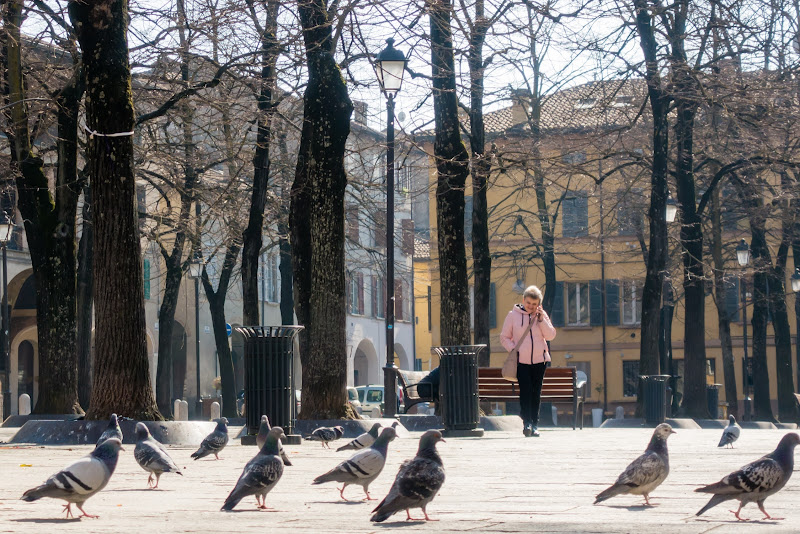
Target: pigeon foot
point(68, 508)
point(736, 513)
point(84, 514)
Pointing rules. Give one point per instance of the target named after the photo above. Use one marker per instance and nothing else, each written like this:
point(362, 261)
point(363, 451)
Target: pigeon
point(112, 431)
point(646, 472)
point(261, 439)
point(417, 482)
point(731, 433)
point(363, 467)
point(757, 480)
point(260, 475)
point(152, 457)
point(82, 479)
point(214, 442)
point(326, 434)
point(364, 440)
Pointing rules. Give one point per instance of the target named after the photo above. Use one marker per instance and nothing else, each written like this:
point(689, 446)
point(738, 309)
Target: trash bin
point(268, 376)
point(712, 398)
point(655, 398)
point(458, 386)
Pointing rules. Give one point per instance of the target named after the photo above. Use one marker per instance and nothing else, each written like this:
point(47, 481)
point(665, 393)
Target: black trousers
point(530, 379)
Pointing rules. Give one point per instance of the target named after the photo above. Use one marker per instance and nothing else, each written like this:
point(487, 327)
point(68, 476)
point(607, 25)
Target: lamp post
point(796, 288)
point(195, 269)
point(743, 257)
point(390, 66)
point(6, 230)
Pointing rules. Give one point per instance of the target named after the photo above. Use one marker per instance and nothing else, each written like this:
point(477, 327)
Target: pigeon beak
point(442, 440)
point(122, 448)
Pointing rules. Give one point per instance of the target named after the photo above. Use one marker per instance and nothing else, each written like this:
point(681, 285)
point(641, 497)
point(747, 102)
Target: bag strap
point(525, 333)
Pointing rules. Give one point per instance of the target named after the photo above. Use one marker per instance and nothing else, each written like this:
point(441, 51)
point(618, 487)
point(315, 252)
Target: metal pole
point(748, 414)
point(199, 404)
point(389, 382)
point(6, 354)
point(603, 294)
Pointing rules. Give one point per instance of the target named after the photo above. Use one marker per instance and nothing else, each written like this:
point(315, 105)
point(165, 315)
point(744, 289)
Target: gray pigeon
point(261, 439)
point(112, 431)
point(152, 457)
point(214, 442)
point(364, 440)
point(757, 480)
point(260, 475)
point(363, 467)
point(326, 434)
point(646, 472)
point(731, 433)
point(417, 482)
point(82, 479)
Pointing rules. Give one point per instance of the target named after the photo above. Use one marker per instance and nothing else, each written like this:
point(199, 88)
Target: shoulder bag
point(509, 370)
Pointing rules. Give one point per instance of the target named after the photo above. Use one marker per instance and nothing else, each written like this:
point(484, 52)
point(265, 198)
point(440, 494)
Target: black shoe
point(534, 432)
point(527, 430)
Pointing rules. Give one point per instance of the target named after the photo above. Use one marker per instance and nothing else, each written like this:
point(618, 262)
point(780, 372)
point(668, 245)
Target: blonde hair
point(533, 292)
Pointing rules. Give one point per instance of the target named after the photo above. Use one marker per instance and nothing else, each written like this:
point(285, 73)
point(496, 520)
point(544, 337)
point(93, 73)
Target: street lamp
point(743, 257)
point(390, 64)
point(671, 210)
point(6, 231)
point(796, 288)
point(195, 269)
point(667, 311)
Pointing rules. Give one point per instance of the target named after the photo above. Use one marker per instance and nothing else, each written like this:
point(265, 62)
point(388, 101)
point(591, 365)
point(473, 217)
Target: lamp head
point(743, 253)
point(671, 210)
point(796, 281)
point(390, 64)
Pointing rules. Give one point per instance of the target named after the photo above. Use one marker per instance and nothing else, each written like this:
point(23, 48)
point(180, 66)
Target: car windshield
point(360, 395)
point(351, 395)
point(374, 395)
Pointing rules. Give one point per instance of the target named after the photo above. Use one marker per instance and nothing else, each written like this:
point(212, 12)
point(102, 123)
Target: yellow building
point(589, 151)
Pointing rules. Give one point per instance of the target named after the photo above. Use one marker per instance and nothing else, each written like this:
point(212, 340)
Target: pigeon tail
point(613, 491)
point(715, 500)
point(230, 503)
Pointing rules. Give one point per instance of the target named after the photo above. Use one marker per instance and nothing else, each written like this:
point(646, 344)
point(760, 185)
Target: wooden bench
point(560, 385)
point(414, 391)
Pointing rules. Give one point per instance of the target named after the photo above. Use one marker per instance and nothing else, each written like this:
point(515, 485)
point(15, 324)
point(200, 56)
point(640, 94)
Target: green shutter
point(612, 302)
point(146, 270)
point(492, 306)
point(732, 299)
point(595, 303)
point(557, 313)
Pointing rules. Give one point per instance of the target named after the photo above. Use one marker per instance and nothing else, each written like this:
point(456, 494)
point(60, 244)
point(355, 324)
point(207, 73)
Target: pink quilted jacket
point(534, 347)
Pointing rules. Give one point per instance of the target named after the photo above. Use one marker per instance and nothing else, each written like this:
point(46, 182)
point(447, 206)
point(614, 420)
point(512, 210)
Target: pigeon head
point(222, 424)
point(271, 445)
point(114, 421)
point(264, 419)
point(374, 430)
point(395, 424)
point(141, 431)
point(732, 419)
point(387, 435)
point(339, 431)
point(789, 442)
point(659, 440)
point(429, 439)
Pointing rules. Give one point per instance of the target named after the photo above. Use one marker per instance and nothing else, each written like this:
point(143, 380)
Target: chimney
point(360, 110)
point(520, 106)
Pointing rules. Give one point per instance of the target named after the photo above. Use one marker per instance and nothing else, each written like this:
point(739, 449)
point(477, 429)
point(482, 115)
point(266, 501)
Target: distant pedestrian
point(533, 353)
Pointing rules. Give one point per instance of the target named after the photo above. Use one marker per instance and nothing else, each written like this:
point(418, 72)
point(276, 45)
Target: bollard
point(215, 411)
point(619, 413)
point(184, 411)
point(176, 410)
point(376, 413)
point(24, 404)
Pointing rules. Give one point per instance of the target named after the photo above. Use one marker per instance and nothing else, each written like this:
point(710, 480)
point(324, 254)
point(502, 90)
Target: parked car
point(352, 398)
point(371, 396)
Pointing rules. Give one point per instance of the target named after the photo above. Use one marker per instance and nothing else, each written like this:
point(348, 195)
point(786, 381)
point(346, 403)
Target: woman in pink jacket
point(533, 354)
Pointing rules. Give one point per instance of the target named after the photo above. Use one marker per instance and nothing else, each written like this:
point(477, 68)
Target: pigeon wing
point(644, 470)
point(152, 457)
point(75, 483)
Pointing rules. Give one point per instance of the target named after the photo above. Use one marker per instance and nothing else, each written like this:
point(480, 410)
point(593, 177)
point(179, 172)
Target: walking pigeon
point(417, 482)
point(260, 475)
point(261, 439)
point(363, 467)
point(82, 479)
point(152, 457)
point(112, 431)
point(364, 440)
point(757, 480)
point(326, 434)
point(214, 442)
point(646, 472)
point(731, 433)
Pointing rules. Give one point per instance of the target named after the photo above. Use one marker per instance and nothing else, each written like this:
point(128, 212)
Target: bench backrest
point(559, 383)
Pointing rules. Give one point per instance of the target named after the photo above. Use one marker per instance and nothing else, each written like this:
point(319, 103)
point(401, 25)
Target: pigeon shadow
point(339, 502)
point(51, 520)
point(250, 510)
point(403, 523)
point(634, 507)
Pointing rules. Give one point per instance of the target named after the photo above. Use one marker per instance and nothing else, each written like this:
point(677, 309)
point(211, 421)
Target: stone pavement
point(502, 482)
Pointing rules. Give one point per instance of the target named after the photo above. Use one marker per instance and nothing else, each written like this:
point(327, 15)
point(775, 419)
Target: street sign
point(228, 329)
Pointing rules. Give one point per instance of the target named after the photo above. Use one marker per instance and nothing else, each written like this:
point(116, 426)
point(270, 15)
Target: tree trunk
point(761, 263)
point(121, 380)
point(173, 277)
point(452, 167)
point(85, 301)
point(216, 306)
point(287, 293)
point(317, 221)
point(721, 289)
point(657, 250)
point(480, 166)
point(251, 249)
point(49, 224)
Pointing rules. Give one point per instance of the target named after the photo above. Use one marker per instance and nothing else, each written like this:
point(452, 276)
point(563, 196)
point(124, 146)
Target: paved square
point(502, 482)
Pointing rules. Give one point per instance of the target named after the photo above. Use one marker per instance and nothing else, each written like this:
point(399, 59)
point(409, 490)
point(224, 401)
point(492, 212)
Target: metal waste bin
point(268, 376)
point(712, 398)
point(458, 386)
point(655, 398)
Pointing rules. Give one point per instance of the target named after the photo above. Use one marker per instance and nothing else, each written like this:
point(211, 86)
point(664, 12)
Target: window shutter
point(398, 300)
point(612, 302)
point(352, 223)
point(492, 306)
point(360, 278)
point(582, 215)
point(595, 303)
point(732, 299)
point(380, 229)
point(557, 313)
point(146, 270)
point(568, 217)
point(408, 236)
point(349, 294)
point(467, 219)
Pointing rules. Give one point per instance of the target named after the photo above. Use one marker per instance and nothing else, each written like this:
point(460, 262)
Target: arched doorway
point(178, 368)
point(25, 369)
point(366, 368)
point(401, 358)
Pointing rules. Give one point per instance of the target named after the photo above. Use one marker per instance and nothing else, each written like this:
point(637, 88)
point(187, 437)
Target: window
point(375, 395)
point(352, 223)
point(357, 294)
point(575, 215)
point(630, 212)
point(271, 275)
point(417, 364)
point(622, 102)
point(378, 297)
point(574, 158)
point(577, 304)
point(408, 236)
point(631, 302)
point(585, 103)
point(379, 231)
point(403, 175)
point(630, 378)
